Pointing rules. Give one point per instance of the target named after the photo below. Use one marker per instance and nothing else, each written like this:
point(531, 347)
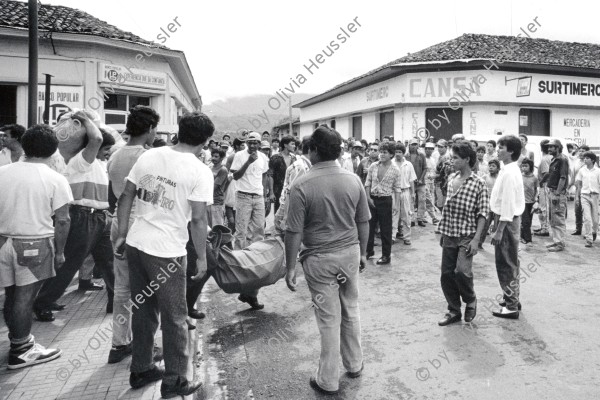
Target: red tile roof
point(59, 19)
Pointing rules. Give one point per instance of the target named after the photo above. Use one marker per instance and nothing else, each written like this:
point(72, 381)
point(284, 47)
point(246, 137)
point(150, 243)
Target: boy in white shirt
point(588, 189)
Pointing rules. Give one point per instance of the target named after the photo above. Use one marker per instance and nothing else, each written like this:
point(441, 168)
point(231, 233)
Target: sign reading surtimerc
point(124, 76)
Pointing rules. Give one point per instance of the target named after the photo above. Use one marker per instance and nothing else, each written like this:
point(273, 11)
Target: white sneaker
point(36, 354)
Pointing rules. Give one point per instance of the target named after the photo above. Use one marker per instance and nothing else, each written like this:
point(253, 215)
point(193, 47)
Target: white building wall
point(344, 126)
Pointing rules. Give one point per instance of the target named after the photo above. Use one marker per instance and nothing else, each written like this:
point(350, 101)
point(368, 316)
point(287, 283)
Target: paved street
point(551, 352)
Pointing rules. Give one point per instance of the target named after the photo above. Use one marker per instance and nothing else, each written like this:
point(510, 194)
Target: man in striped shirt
point(88, 180)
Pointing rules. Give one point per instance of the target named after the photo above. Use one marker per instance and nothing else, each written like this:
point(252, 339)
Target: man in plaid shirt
point(463, 219)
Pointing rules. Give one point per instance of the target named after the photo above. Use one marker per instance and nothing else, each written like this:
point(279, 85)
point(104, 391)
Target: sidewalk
point(84, 333)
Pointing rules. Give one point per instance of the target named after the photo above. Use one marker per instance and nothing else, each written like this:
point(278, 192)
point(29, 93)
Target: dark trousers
point(578, 215)
point(18, 309)
point(486, 227)
point(457, 272)
point(507, 263)
point(230, 215)
point(89, 234)
point(193, 288)
point(158, 287)
point(382, 215)
point(526, 218)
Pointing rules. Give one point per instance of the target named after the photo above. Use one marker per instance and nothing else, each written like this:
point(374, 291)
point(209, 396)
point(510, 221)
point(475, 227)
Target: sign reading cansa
point(119, 75)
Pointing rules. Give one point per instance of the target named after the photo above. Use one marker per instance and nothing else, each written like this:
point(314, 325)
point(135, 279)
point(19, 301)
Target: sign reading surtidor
point(119, 75)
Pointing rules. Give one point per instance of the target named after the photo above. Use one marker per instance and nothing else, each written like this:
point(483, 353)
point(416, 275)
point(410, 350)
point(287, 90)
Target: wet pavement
point(551, 352)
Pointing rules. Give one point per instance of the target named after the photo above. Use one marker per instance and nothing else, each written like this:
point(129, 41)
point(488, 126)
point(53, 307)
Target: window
point(332, 124)
point(357, 127)
point(8, 105)
point(386, 124)
point(446, 128)
point(534, 121)
point(116, 107)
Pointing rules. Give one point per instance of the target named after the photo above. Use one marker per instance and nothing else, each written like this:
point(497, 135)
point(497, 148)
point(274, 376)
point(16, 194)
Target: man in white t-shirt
point(30, 246)
point(171, 187)
point(141, 128)
point(88, 180)
point(249, 169)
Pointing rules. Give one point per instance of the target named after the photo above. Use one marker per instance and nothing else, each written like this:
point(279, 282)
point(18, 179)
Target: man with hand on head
point(249, 168)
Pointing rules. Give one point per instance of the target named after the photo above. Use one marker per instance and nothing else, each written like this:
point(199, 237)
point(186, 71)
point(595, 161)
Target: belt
point(250, 194)
point(90, 210)
point(380, 197)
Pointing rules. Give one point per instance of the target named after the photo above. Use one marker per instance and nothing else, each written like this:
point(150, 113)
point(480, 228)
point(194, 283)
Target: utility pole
point(33, 63)
point(46, 115)
point(291, 118)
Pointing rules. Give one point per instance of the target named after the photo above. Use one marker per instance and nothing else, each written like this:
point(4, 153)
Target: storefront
point(109, 71)
point(442, 97)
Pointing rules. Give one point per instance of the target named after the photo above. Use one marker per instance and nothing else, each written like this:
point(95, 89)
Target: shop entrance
point(534, 121)
point(449, 122)
point(8, 105)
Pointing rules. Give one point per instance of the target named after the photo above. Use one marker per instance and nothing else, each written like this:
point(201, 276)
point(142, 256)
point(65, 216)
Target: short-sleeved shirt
point(89, 182)
point(559, 168)
point(220, 177)
point(530, 184)
point(31, 193)
point(325, 205)
point(544, 166)
point(590, 180)
point(166, 181)
point(251, 181)
point(389, 184)
point(407, 173)
point(463, 207)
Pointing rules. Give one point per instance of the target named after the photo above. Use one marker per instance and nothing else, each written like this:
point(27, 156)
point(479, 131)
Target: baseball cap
point(224, 144)
point(442, 142)
point(429, 145)
point(265, 145)
point(414, 141)
point(253, 136)
point(358, 144)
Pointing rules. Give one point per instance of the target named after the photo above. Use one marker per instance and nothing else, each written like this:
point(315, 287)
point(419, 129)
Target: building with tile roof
point(473, 84)
point(94, 65)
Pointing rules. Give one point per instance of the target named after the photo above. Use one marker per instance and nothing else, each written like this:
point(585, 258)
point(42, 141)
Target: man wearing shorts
point(30, 246)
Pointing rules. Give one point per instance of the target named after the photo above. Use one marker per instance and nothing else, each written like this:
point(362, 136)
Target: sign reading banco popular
point(119, 75)
point(62, 99)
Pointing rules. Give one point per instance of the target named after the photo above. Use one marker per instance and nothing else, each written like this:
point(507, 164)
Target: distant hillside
point(249, 112)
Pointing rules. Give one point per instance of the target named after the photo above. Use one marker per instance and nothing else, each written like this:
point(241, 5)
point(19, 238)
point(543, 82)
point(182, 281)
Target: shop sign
point(119, 75)
point(62, 99)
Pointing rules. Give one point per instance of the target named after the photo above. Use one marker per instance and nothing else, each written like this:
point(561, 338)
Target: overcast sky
point(238, 48)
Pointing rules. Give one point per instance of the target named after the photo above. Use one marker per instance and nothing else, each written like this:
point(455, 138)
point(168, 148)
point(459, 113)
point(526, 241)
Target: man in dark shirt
point(279, 163)
point(417, 159)
point(557, 182)
point(328, 212)
point(216, 211)
point(363, 167)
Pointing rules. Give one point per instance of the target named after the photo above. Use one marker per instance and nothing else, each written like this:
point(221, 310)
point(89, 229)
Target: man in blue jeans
point(329, 214)
point(166, 201)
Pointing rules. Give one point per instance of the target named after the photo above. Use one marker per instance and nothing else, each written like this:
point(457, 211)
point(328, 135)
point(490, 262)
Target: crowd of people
point(141, 210)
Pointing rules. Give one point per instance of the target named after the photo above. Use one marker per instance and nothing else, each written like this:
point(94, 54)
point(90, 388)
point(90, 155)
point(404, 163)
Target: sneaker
point(542, 233)
point(550, 245)
point(31, 354)
point(435, 221)
point(588, 243)
point(556, 248)
point(182, 387)
point(141, 379)
point(119, 353)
